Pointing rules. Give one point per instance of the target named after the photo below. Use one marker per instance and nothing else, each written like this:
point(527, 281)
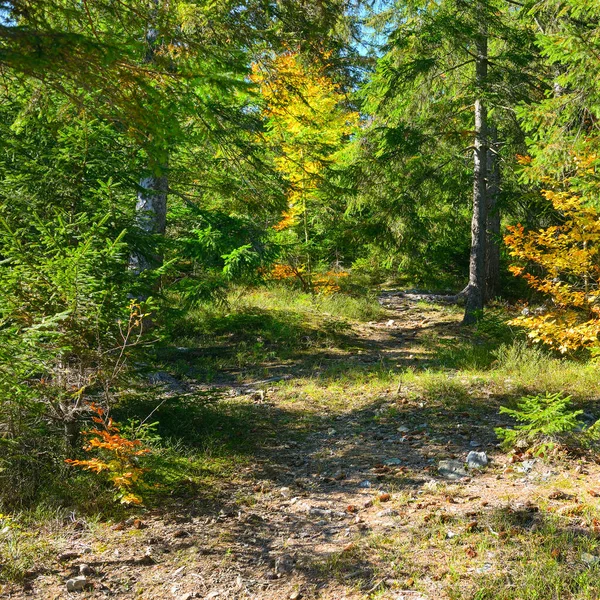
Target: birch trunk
point(151, 205)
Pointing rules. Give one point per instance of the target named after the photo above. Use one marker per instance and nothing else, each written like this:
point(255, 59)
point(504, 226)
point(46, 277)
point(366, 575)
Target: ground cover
point(299, 457)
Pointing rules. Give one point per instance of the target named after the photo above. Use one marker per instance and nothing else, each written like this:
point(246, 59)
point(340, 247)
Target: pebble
point(295, 595)
point(85, 569)
point(365, 484)
point(76, 584)
point(392, 462)
point(477, 460)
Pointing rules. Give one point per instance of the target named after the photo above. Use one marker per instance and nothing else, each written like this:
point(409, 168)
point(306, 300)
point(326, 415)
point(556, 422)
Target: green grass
point(208, 441)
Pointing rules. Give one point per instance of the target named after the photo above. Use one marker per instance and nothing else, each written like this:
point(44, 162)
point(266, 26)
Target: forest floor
point(334, 490)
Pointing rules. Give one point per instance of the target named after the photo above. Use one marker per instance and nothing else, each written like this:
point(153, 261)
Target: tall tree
point(452, 71)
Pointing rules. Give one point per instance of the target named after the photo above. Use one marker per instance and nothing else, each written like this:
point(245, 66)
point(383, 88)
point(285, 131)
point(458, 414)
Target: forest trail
point(338, 497)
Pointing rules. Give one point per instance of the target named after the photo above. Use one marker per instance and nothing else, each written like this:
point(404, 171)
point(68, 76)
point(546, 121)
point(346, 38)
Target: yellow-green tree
point(307, 123)
point(562, 261)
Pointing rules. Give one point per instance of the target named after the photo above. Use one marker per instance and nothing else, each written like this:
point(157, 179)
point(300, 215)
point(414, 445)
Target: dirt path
point(350, 507)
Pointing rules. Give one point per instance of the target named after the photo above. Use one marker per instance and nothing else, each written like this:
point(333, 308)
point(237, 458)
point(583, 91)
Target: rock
point(388, 512)
point(284, 565)
point(65, 556)
point(560, 495)
point(590, 559)
point(85, 569)
point(477, 460)
point(76, 584)
point(474, 444)
point(403, 429)
point(451, 469)
point(295, 595)
point(365, 484)
point(392, 462)
point(319, 512)
point(526, 466)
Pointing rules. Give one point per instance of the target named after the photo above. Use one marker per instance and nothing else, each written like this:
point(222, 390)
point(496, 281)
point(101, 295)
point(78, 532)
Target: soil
point(299, 521)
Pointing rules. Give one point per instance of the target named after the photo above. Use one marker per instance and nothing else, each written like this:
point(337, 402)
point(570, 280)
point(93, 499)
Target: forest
point(300, 299)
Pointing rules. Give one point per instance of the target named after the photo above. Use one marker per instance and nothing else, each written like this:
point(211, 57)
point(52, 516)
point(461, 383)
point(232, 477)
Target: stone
point(403, 429)
point(590, 559)
point(452, 469)
point(65, 556)
point(320, 512)
point(477, 460)
point(76, 584)
point(474, 444)
point(388, 512)
point(284, 565)
point(365, 484)
point(295, 595)
point(392, 462)
point(85, 569)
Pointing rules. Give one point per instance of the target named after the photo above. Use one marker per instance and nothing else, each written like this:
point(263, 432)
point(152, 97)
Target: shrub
point(66, 329)
point(116, 456)
point(546, 420)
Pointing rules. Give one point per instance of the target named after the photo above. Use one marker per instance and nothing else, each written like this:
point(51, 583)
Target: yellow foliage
point(307, 122)
point(565, 264)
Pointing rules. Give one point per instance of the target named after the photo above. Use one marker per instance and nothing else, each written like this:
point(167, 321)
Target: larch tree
point(307, 122)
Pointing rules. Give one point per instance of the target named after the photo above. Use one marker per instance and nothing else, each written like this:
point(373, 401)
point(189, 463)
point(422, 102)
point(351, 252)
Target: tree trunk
point(492, 248)
point(475, 290)
point(151, 217)
point(151, 205)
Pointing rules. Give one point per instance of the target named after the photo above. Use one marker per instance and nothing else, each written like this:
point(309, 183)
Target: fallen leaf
point(471, 526)
point(384, 497)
